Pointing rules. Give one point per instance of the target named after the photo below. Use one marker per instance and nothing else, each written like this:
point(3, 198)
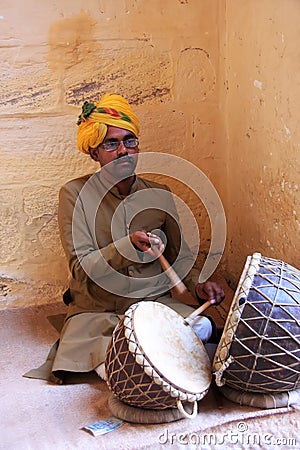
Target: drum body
point(259, 350)
point(155, 360)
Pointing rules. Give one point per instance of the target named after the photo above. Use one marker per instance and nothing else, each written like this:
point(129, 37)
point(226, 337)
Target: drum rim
point(245, 282)
point(141, 359)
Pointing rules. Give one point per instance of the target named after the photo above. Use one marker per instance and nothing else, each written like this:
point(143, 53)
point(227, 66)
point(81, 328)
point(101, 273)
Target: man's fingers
point(154, 240)
point(213, 291)
point(219, 296)
point(210, 292)
point(157, 246)
point(148, 242)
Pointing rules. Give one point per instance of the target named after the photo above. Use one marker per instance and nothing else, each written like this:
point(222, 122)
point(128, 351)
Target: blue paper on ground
point(103, 426)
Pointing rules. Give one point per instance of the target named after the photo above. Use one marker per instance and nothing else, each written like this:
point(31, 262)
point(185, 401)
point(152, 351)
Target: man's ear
point(94, 153)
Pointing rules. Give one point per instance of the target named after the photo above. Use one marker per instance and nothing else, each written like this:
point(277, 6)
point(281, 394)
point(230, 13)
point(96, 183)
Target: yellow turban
point(92, 123)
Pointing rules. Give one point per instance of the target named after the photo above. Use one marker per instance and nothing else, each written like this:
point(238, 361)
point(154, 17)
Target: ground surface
point(38, 415)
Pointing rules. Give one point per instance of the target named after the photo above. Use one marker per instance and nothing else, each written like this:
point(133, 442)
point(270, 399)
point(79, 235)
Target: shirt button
point(130, 273)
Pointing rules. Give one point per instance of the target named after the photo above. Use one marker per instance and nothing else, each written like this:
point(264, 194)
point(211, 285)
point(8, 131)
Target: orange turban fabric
point(92, 123)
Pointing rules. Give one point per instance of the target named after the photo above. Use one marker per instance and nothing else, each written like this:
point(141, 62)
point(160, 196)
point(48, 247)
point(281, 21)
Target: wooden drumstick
point(177, 285)
point(201, 309)
point(179, 288)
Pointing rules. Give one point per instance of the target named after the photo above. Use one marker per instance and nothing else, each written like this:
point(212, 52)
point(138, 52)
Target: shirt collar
point(114, 190)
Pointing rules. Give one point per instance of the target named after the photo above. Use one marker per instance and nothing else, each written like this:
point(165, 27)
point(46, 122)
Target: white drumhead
point(172, 347)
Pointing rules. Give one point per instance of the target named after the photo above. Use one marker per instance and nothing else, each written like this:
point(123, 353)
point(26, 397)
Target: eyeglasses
point(111, 146)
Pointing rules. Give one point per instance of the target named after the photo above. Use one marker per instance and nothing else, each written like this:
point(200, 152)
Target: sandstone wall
point(212, 83)
point(164, 57)
point(261, 108)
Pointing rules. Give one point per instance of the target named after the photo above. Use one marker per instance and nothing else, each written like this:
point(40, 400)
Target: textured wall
point(212, 83)
point(262, 112)
point(164, 57)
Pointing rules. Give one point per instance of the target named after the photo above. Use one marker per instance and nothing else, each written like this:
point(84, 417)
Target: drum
point(156, 361)
point(259, 350)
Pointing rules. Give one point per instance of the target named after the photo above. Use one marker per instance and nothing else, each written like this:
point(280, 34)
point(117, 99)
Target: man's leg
point(83, 342)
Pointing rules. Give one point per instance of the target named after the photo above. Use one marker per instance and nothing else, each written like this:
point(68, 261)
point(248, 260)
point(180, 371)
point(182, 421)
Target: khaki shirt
point(107, 274)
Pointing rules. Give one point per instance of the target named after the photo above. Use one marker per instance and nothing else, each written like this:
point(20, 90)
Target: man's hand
point(147, 242)
point(210, 291)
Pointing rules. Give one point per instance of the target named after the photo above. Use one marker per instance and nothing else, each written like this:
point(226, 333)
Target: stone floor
point(38, 415)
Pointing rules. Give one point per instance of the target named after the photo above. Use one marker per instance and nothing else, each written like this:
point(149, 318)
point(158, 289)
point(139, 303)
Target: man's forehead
point(114, 132)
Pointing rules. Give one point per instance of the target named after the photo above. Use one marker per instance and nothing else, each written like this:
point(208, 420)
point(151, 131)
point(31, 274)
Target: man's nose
point(122, 150)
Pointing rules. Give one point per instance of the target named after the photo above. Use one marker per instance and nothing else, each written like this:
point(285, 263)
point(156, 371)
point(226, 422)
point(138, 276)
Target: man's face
point(121, 162)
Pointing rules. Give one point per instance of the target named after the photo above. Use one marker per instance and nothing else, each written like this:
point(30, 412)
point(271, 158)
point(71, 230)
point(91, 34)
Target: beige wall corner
point(262, 115)
point(212, 84)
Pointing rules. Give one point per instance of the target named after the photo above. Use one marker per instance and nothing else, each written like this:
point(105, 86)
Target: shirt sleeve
point(82, 252)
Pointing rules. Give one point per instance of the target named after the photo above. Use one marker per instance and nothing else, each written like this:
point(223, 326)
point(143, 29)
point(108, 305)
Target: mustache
point(126, 158)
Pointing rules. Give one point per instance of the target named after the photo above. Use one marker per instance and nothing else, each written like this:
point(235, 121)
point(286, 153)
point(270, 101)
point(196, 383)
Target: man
point(113, 225)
